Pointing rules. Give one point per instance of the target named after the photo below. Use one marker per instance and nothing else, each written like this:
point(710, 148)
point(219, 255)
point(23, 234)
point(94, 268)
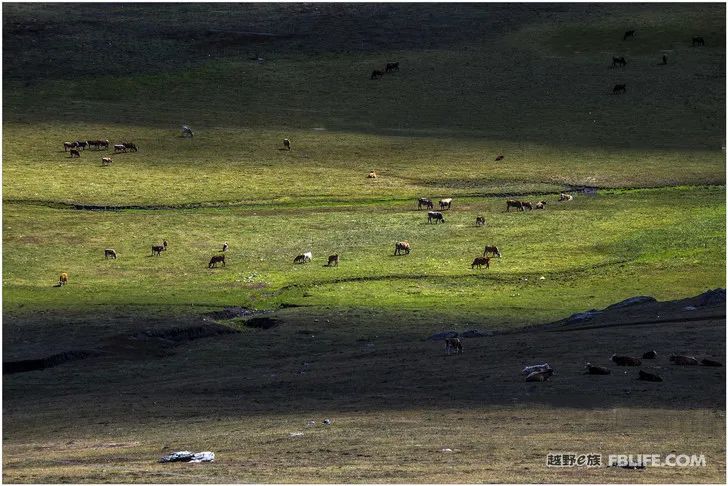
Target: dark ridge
point(181, 334)
point(11, 367)
point(165, 338)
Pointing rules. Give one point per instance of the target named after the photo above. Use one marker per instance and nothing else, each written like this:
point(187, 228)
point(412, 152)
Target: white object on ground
point(535, 368)
point(187, 456)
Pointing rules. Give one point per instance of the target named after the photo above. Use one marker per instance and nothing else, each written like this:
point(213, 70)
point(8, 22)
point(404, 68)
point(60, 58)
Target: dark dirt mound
point(185, 333)
point(262, 322)
point(22, 366)
point(712, 297)
point(230, 313)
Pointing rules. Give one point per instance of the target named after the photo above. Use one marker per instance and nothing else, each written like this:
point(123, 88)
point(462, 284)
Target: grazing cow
point(286, 144)
point(565, 197)
point(423, 201)
point(104, 144)
point(158, 249)
point(650, 355)
point(434, 215)
point(684, 360)
point(597, 370)
point(540, 205)
point(391, 67)
point(401, 246)
point(333, 261)
point(74, 153)
point(493, 250)
point(376, 74)
point(540, 376)
point(109, 253)
point(303, 258)
point(130, 146)
point(164, 244)
point(499, 158)
point(119, 148)
point(698, 41)
point(372, 175)
point(68, 145)
point(479, 221)
point(82, 144)
point(618, 61)
point(619, 88)
point(512, 203)
point(106, 161)
point(93, 143)
point(215, 260)
point(453, 344)
point(187, 131)
point(628, 34)
point(225, 247)
point(63, 279)
point(645, 376)
point(526, 204)
point(479, 262)
point(626, 360)
point(710, 362)
point(446, 203)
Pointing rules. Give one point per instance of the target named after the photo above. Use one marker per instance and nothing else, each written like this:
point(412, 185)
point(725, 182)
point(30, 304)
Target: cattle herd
point(621, 61)
point(74, 148)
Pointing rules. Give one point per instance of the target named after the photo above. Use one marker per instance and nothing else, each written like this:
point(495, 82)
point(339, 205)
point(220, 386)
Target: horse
point(215, 260)
point(401, 246)
point(629, 33)
point(493, 250)
point(512, 203)
point(698, 41)
point(618, 61)
point(376, 74)
point(391, 67)
point(436, 216)
point(423, 201)
point(479, 262)
point(619, 88)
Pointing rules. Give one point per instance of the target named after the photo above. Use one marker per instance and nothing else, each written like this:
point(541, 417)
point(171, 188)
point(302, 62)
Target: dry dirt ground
point(396, 400)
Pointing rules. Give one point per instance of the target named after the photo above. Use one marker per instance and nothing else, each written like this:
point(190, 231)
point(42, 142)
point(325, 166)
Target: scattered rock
point(712, 297)
point(474, 333)
point(689, 308)
point(442, 336)
point(640, 299)
point(583, 316)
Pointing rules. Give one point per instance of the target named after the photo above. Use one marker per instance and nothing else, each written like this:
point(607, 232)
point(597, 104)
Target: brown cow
point(333, 261)
point(597, 370)
point(626, 360)
point(512, 203)
point(401, 246)
point(684, 360)
point(215, 260)
point(479, 262)
point(493, 250)
point(453, 344)
point(63, 279)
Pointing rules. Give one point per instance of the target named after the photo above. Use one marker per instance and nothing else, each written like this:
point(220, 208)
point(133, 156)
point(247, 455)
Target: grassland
point(531, 83)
